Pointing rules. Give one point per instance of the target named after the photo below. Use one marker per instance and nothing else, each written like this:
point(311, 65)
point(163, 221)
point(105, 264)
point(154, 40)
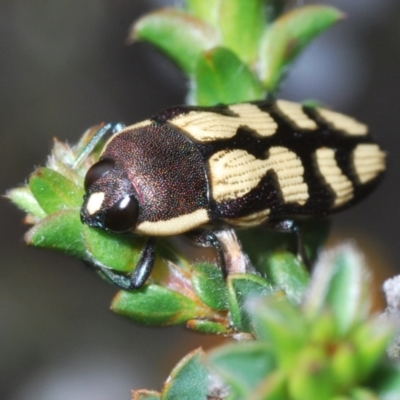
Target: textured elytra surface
point(244, 164)
point(280, 159)
point(205, 127)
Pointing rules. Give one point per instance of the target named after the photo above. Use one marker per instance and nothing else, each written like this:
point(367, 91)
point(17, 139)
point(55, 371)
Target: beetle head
point(109, 202)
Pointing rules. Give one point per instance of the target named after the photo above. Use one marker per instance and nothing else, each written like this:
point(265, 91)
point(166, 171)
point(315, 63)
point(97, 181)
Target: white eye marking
point(124, 202)
point(94, 203)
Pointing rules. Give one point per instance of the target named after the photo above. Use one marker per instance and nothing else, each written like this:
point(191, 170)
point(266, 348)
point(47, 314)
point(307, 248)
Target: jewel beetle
point(237, 165)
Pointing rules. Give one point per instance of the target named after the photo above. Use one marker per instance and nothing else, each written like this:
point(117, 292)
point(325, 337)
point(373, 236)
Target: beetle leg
point(231, 258)
point(290, 226)
point(114, 127)
point(139, 276)
point(210, 239)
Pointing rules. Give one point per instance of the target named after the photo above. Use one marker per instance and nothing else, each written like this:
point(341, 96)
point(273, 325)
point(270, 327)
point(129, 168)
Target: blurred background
point(64, 67)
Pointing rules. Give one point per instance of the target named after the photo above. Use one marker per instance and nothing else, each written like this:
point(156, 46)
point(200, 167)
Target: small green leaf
point(280, 323)
point(157, 305)
point(366, 394)
point(23, 198)
point(59, 231)
point(221, 77)
point(311, 376)
point(240, 288)
point(209, 285)
point(273, 387)
point(53, 191)
point(188, 380)
point(209, 327)
point(371, 339)
point(116, 251)
point(145, 395)
point(243, 365)
point(286, 272)
point(340, 282)
point(288, 36)
point(344, 365)
point(179, 35)
point(386, 382)
point(205, 10)
point(242, 23)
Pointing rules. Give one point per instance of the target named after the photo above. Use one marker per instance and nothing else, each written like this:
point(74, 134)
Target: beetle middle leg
point(230, 257)
point(290, 226)
point(138, 277)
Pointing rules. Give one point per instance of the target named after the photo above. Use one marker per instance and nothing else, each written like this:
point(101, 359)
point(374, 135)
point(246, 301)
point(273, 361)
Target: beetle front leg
point(142, 271)
point(210, 239)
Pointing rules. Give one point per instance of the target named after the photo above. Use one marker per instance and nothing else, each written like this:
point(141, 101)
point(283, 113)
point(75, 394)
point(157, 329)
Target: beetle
point(241, 165)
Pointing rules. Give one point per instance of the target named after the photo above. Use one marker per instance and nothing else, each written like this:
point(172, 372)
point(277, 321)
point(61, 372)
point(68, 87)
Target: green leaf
point(179, 35)
point(345, 368)
point(205, 10)
point(59, 231)
point(209, 285)
point(240, 288)
point(340, 282)
point(311, 376)
point(157, 305)
point(243, 365)
point(221, 77)
point(286, 272)
point(188, 380)
point(145, 395)
point(274, 319)
point(365, 394)
point(273, 387)
point(386, 382)
point(242, 23)
point(116, 251)
point(209, 327)
point(53, 191)
point(371, 339)
point(23, 198)
point(288, 36)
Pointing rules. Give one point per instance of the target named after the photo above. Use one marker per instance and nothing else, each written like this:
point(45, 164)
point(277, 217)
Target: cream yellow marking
point(94, 203)
point(234, 173)
point(207, 126)
point(343, 122)
point(141, 124)
point(369, 161)
point(333, 176)
point(174, 226)
point(294, 112)
point(250, 220)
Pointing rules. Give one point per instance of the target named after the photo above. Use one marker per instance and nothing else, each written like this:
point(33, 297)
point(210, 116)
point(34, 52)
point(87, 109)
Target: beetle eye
point(96, 171)
point(122, 216)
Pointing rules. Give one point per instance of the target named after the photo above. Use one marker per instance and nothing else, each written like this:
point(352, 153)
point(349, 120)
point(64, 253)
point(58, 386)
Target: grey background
point(64, 67)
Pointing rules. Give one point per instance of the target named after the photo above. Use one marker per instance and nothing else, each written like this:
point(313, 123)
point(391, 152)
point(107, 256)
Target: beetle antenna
point(114, 127)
